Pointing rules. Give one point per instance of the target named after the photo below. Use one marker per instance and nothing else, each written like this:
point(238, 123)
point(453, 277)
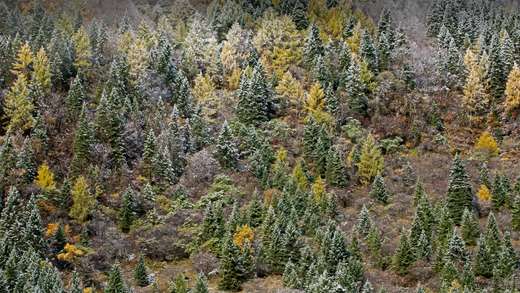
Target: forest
point(313, 146)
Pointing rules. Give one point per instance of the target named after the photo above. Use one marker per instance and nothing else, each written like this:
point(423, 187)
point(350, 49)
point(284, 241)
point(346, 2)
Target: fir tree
point(116, 283)
point(444, 227)
point(456, 248)
point(355, 89)
point(369, 52)
point(290, 276)
point(492, 235)
point(364, 223)
point(403, 257)
point(140, 273)
point(126, 212)
point(335, 169)
point(201, 284)
point(515, 214)
point(459, 195)
point(469, 228)
point(75, 286)
point(255, 103)
point(378, 190)
point(227, 152)
point(496, 74)
point(313, 46)
point(483, 259)
point(500, 192)
point(26, 161)
point(229, 265)
point(423, 250)
point(484, 175)
point(149, 154)
point(82, 144)
point(75, 98)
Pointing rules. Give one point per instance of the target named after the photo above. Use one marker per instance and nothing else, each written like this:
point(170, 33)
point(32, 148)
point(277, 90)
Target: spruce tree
point(378, 190)
point(423, 250)
point(126, 212)
point(403, 257)
point(496, 72)
point(82, 144)
point(116, 283)
point(226, 149)
point(290, 276)
point(255, 104)
point(335, 173)
point(75, 98)
point(460, 195)
point(492, 235)
point(500, 192)
point(469, 228)
point(456, 248)
point(230, 279)
point(140, 273)
point(515, 214)
point(149, 154)
point(26, 161)
point(364, 223)
point(369, 52)
point(313, 46)
point(75, 286)
point(484, 262)
point(355, 89)
point(201, 284)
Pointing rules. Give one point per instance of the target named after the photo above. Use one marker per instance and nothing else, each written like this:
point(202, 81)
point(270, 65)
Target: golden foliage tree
point(82, 201)
point(42, 71)
point(18, 106)
point(45, 178)
point(315, 101)
point(290, 89)
point(203, 88)
point(24, 59)
point(512, 103)
point(486, 145)
point(243, 236)
point(138, 60)
point(371, 161)
point(300, 177)
point(82, 49)
point(476, 98)
point(318, 190)
point(483, 193)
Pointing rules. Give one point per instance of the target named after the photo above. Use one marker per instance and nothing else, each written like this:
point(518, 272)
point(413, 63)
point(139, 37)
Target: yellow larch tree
point(42, 71)
point(45, 178)
point(291, 90)
point(315, 101)
point(138, 60)
point(476, 98)
point(18, 106)
point(371, 161)
point(24, 59)
point(82, 49)
point(82, 201)
point(486, 145)
point(512, 102)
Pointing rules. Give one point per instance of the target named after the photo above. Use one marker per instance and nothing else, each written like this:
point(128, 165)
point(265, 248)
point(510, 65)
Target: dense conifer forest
point(314, 146)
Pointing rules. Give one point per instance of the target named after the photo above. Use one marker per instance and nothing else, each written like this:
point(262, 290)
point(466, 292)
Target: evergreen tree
point(500, 192)
point(484, 175)
point(335, 169)
point(469, 228)
point(26, 161)
point(149, 154)
point(496, 72)
point(483, 259)
point(364, 223)
point(126, 212)
point(140, 273)
point(116, 283)
point(290, 276)
point(82, 144)
point(229, 265)
point(226, 149)
point(313, 46)
point(460, 195)
point(444, 226)
point(179, 284)
point(403, 257)
point(201, 284)
point(255, 104)
point(355, 89)
point(456, 248)
point(299, 14)
point(424, 247)
point(492, 235)
point(75, 286)
point(75, 98)
point(369, 52)
point(378, 190)
point(467, 278)
point(515, 214)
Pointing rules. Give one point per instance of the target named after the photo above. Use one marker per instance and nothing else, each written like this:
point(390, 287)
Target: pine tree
point(255, 104)
point(140, 273)
point(229, 265)
point(512, 103)
point(369, 52)
point(179, 284)
point(403, 257)
point(26, 161)
point(364, 223)
point(459, 195)
point(355, 89)
point(116, 283)
point(18, 106)
point(226, 149)
point(378, 190)
point(335, 173)
point(126, 212)
point(75, 98)
point(515, 214)
point(371, 161)
point(469, 228)
point(483, 259)
point(82, 144)
point(82, 202)
point(201, 284)
point(313, 46)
